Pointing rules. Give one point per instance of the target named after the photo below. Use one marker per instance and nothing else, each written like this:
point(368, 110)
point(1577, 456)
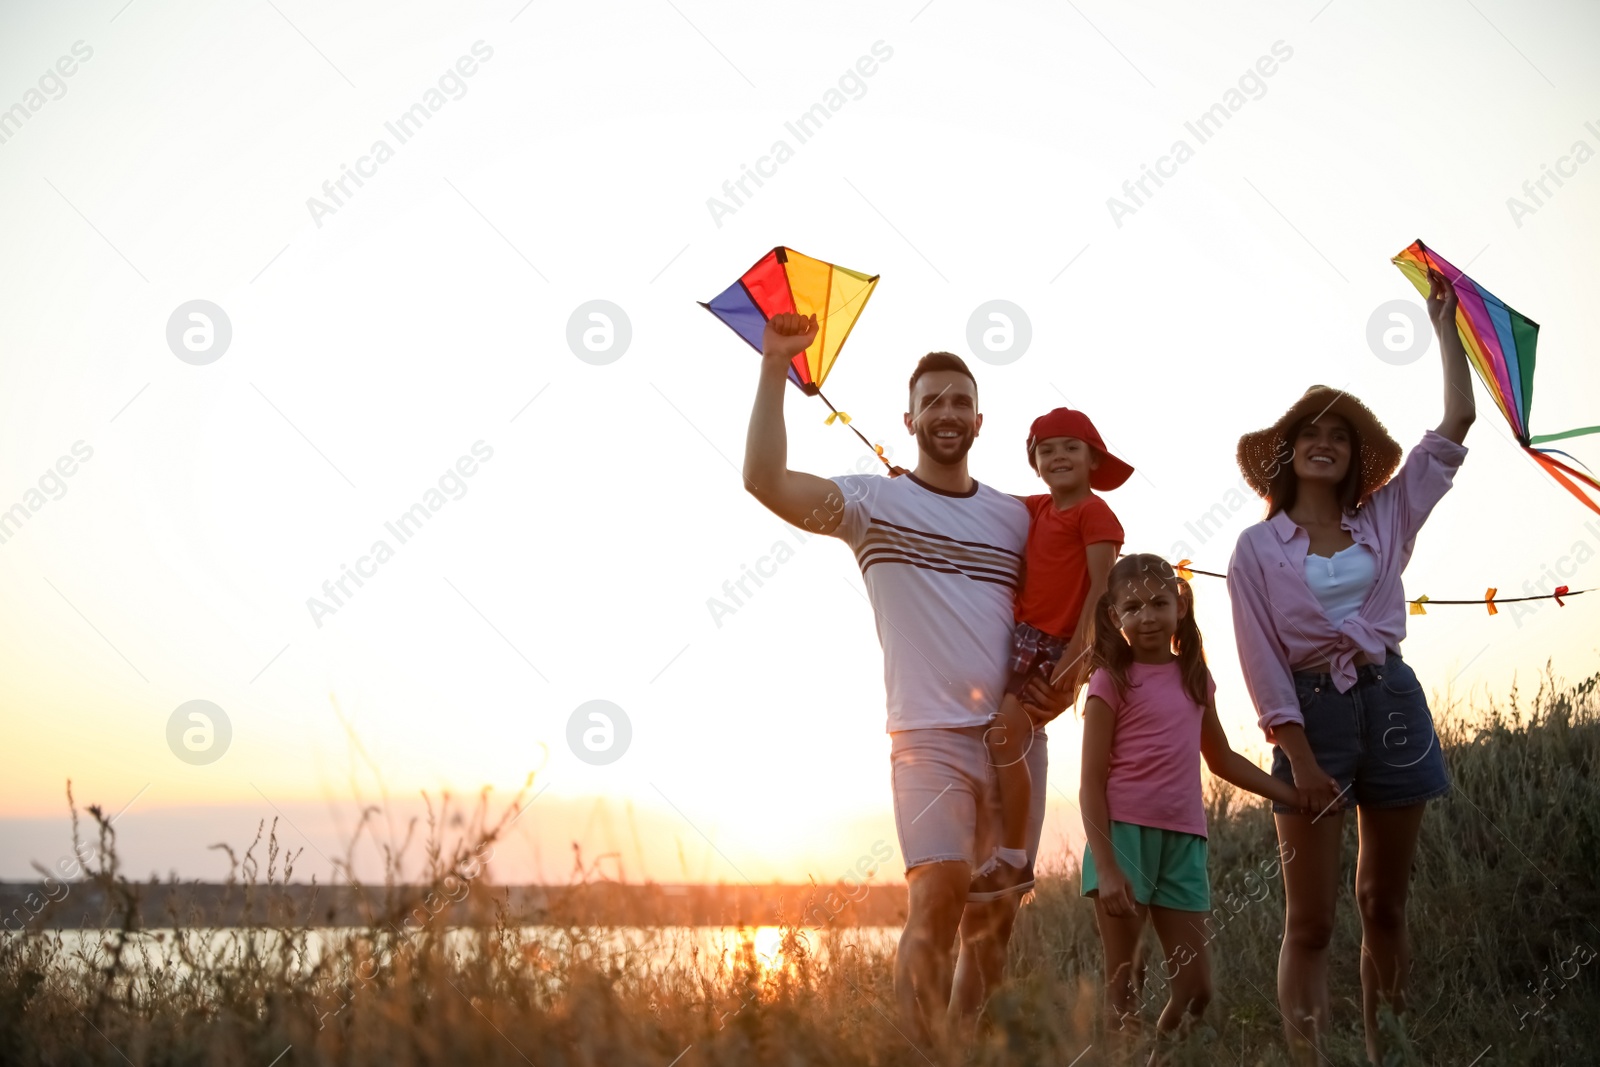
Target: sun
point(768, 942)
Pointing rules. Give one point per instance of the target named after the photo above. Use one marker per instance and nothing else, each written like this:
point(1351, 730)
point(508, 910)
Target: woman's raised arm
point(1459, 407)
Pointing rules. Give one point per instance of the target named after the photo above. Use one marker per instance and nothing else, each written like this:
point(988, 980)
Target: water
point(699, 949)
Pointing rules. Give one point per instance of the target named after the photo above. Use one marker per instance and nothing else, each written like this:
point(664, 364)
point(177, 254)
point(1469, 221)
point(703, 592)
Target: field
point(1502, 911)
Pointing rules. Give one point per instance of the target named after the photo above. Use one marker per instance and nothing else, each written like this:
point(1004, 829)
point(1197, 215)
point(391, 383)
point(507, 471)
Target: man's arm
point(803, 500)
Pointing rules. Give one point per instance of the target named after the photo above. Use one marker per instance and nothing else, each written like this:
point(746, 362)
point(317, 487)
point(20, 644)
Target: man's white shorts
point(946, 796)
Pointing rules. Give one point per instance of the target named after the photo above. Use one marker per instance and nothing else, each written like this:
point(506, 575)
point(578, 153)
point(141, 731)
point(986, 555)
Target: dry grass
point(1503, 903)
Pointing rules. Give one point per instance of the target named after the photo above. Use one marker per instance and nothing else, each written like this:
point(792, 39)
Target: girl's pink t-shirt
point(1154, 776)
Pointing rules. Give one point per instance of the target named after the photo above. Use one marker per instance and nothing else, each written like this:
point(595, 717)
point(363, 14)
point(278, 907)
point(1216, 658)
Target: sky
point(224, 380)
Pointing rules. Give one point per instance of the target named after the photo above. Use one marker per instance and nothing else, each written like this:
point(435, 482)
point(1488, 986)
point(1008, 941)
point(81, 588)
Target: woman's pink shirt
point(1279, 625)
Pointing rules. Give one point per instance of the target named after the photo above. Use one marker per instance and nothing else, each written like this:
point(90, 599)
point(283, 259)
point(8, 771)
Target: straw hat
point(1263, 452)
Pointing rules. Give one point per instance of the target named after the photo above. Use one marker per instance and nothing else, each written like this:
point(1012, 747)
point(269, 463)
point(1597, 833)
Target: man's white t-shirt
point(941, 570)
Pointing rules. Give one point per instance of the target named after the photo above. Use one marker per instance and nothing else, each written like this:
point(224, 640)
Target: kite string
point(894, 471)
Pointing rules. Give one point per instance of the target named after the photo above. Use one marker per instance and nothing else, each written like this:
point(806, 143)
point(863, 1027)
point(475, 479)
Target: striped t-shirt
point(941, 570)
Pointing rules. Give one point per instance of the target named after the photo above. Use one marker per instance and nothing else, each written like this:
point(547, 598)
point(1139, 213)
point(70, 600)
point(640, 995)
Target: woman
point(1319, 613)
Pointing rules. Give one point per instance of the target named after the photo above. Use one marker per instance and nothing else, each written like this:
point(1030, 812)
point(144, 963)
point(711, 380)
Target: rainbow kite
point(1500, 343)
point(784, 281)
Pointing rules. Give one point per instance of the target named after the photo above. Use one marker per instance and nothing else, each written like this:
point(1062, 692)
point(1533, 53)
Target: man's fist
point(788, 334)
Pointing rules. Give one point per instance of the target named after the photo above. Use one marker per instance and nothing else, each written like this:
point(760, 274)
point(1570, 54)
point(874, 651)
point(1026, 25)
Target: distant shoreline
point(79, 904)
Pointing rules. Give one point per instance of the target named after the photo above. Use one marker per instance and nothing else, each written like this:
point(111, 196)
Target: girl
point(1319, 613)
point(1149, 718)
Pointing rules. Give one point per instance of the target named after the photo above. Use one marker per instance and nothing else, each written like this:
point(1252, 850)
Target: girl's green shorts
point(1166, 868)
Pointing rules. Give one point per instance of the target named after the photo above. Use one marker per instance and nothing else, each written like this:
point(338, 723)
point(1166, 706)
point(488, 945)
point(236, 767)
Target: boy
point(1073, 539)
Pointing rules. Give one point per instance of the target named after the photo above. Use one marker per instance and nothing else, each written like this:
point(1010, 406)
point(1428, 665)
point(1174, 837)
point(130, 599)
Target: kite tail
point(1567, 476)
point(877, 450)
point(1546, 438)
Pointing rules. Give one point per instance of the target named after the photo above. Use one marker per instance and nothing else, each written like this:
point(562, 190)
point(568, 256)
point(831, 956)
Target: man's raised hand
point(797, 498)
point(788, 334)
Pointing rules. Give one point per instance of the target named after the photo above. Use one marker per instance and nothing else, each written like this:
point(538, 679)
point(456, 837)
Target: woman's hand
point(1459, 407)
point(1318, 793)
point(1441, 303)
point(1116, 893)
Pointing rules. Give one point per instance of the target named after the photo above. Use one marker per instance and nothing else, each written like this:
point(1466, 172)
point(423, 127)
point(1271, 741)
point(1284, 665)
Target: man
point(941, 557)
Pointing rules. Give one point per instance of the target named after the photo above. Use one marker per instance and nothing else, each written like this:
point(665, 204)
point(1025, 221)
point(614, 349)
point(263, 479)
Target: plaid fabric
point(1032, 650)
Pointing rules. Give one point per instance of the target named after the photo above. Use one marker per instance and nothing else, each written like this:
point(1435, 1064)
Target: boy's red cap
point(1065, 422)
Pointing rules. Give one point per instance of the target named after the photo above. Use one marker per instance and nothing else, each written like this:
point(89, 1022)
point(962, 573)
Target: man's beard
point(934, 448)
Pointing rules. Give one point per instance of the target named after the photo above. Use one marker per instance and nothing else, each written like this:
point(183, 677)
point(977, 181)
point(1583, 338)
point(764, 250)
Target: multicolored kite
point(1500, 343)
point(783, 281)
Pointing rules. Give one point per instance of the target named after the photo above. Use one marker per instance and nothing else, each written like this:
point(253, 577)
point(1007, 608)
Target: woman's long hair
point(1284, 486)
point(1112, 653)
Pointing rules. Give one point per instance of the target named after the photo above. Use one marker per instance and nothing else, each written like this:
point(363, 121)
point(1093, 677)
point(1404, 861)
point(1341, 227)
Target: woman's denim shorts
point(1376, 740)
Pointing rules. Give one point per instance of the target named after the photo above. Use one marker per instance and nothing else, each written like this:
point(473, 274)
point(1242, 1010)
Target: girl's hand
point(788, 334)
point(1441, 304)
point(1116, 893)
point(1286, 794)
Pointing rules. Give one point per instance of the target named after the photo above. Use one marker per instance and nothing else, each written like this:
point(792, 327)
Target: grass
point(1502, 914)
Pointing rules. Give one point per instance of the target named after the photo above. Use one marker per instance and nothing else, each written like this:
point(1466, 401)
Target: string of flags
point(1500, 343)
point(1419, 606)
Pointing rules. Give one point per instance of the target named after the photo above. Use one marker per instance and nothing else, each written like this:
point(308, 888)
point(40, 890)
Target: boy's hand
point(787, 335)
point(1116, 893)
point(1072, 667)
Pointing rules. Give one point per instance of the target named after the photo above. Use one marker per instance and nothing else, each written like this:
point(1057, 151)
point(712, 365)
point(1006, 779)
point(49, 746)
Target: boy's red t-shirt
point(1056, 581)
